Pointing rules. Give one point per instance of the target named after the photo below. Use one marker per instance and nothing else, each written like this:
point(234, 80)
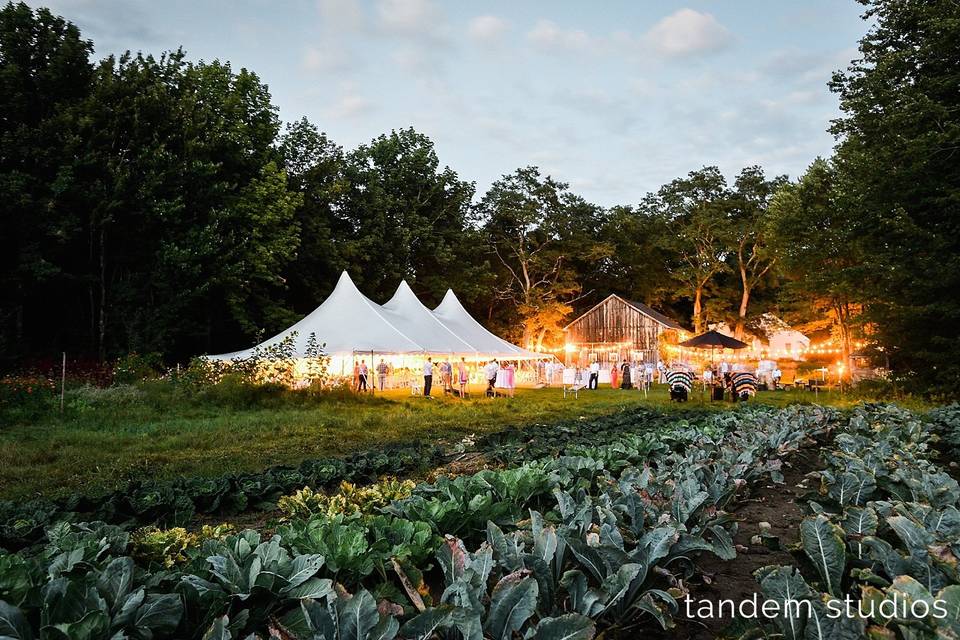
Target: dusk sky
point(615, 98)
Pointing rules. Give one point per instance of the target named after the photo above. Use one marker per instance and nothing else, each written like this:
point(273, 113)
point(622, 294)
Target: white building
point(771, 337)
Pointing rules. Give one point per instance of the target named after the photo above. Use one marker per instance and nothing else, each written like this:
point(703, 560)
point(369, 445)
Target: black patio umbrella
point(713, 340)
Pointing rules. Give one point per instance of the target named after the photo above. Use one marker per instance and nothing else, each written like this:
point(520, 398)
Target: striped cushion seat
point(744, 383)
point(682, 379)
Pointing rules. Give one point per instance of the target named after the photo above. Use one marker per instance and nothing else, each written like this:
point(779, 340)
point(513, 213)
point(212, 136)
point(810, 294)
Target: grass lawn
point(101, 448)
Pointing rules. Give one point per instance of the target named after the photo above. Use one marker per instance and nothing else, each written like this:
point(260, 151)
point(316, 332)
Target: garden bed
point(555, 536)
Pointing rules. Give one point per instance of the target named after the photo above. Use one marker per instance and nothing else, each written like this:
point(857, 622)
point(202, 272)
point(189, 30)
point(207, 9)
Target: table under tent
point(402, 333)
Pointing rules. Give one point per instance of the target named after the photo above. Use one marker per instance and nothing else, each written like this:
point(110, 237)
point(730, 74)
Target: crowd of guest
point(453, 376)
point(447, 375)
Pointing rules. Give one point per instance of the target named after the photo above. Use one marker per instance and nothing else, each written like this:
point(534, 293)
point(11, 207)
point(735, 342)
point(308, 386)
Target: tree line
point(156, 204)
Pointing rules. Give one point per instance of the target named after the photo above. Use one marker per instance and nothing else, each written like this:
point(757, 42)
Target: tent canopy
point(348, 322)
point(405, 310)
point(452, 314)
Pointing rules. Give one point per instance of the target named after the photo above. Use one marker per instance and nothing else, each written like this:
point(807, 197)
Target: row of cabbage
point(880, 547)
point(604, 536)
point(180, 500)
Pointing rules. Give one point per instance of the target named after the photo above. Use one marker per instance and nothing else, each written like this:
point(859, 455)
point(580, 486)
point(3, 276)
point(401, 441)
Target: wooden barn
point(618, 330)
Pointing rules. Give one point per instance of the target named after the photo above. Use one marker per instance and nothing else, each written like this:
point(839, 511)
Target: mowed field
point(102, 447)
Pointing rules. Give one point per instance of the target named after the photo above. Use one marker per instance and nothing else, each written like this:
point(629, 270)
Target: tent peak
point(450, 301)
point(403, 295)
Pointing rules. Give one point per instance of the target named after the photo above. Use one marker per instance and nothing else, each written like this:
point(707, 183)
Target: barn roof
point(656, 316)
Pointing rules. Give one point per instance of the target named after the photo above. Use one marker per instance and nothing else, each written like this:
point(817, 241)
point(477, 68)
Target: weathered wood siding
point(615, 322)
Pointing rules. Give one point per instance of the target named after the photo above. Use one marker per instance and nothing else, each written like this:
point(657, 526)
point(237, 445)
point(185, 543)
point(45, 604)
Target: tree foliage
point(899, 141)
point(694, 216)
point(753, 239)
point(156, 204)
point(816, 237)
point(530, 222)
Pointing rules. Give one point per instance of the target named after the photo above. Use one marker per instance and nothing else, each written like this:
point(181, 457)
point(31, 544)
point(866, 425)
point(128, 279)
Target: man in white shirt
point(594, 375)
point(427, 376)
point(491, 372)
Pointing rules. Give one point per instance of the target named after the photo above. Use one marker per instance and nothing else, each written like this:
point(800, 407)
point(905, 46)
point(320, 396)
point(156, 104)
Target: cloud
point(333, 49)
point(341, 15)
point(688, 32)
point(113, 27)
point(487, 29)
point(409, 17)
point(350, 104)
point(326, 57)
point(418, 61)
point(416, 29)
point(806, 67)
point(615, 115)
point(546, 34)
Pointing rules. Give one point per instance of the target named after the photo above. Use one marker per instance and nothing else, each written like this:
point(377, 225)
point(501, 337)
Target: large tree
point(144, 207)
point(754, 252)
point(407, 216)
point(315, 168)
point(526, 218)
point(693, 212)
point(45, 76)
point(634, 261)
point(899, 140)
point(187, 220)
point(816, 232)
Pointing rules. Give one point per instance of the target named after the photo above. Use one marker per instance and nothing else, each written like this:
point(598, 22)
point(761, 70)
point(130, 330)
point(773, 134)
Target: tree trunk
point(698, 311)
point(843, 324)
point(744, 305)
point(540, 336)
point(101, 341)
point(847, 343)
point(91, 286)
point(528, 333)
point(18, 328)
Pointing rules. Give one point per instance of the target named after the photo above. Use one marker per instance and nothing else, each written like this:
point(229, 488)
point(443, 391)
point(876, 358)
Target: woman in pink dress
point(613, 376)
point(511, 378)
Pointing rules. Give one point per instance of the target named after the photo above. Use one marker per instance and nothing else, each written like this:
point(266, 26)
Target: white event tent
point(349, 325)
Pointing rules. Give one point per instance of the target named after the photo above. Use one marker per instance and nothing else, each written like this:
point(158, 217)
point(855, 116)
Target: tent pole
point(63, 380)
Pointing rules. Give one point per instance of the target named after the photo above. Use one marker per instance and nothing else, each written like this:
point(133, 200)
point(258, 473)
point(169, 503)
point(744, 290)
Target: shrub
point(235, 392)
point(136, 367)
point(201, 372)
point(26, 397)
point(122, 395)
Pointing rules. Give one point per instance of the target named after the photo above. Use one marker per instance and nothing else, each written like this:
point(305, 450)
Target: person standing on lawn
point(463, 377)
point(625, 376)
point(446, 372)
point(382, 373)
point(427, 377)
point(594, 375)
point(614, 375)
point(362, 376)
point(491, 372)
